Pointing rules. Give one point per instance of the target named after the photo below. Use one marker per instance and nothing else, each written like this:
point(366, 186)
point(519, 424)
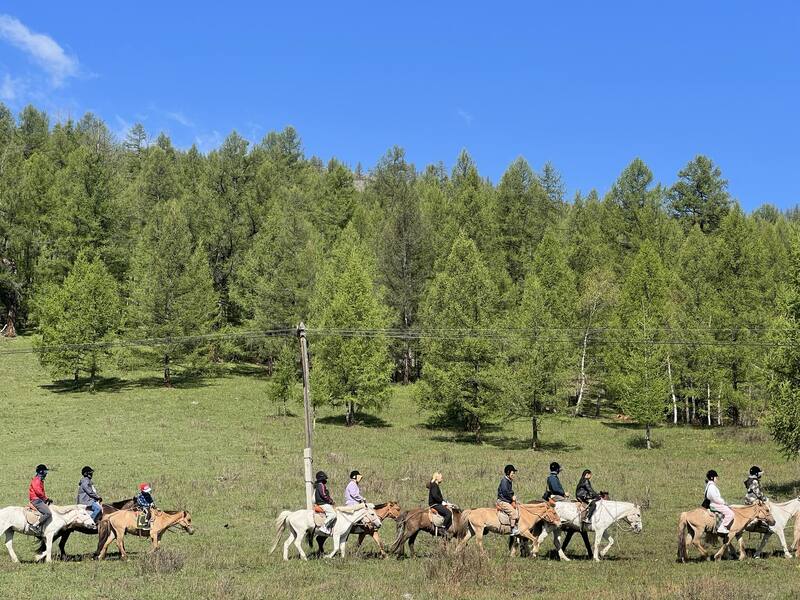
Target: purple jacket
point(352, 495)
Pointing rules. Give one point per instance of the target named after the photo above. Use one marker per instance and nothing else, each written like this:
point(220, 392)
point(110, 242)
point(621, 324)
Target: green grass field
point(216, 448)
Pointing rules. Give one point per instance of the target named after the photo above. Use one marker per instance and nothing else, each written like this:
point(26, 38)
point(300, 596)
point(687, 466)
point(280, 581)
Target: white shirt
point(712, 493)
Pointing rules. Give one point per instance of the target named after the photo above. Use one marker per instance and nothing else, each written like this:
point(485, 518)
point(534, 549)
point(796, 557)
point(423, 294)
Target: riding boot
point(35, 530)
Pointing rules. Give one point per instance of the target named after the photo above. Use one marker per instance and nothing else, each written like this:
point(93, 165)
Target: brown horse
point(126, 521)
point(64, 534)
point(477, 521)
point(694, 523)
point(387, 510)
point(411, 522)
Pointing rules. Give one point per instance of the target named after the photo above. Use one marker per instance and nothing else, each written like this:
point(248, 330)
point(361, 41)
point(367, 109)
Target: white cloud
point(179, 117)
point(10, 88)
point(208, 141)
point(467, 117)
point(44, 50)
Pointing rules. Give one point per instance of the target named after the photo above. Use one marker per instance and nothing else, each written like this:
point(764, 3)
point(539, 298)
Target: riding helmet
point(87, 471)
point(145, 487)
point(510, 469)
point(555, 467)
point(711, 474)
point(321, 476)
point(354, 474)
point(41, 469)
point(756, 471)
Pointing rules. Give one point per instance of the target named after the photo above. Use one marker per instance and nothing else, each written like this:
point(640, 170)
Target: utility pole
point(307, 410)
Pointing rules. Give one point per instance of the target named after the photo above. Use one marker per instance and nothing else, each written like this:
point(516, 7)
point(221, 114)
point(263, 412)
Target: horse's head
point(84, 518)
point(762, 513)
point(391, 510)
point(550, 515)
point(372, 518)
point(185, 522)
point(634, 518)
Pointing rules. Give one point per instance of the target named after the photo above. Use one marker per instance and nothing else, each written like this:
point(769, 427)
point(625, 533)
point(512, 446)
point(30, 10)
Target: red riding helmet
point(144, 487)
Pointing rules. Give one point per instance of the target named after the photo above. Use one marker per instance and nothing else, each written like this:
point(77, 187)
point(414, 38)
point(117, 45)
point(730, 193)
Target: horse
point(101, 528)
point(693, 523)
point(12, 519)
point(607, 512)
point(300, 522)
point(477, 521)
point(411, 522)
point(387, 510)
point(126, 521)
point(782, 512)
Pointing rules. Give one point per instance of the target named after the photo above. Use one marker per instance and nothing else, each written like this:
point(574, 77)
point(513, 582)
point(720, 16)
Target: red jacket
point(36, 490)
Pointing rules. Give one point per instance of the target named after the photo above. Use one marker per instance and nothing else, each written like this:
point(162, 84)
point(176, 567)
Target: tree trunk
point(270, 365)
point(582, 386)
point(694, 408)
point(708, 403)
point(686, 408)
point(167, 376)
point(672, 391)
point(647, 437)
point(9, 330)
point(350, 417)
point(92, 378)
point(719, 406)
point(407, 364)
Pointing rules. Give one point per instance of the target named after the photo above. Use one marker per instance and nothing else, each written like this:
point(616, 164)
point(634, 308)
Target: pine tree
point(171, 293)
point(700, 196)
point(464, 376)
point(637, 356)
point(77, 319)
point(353, 372)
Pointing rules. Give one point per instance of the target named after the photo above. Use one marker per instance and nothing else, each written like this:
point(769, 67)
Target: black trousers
point(445, 512)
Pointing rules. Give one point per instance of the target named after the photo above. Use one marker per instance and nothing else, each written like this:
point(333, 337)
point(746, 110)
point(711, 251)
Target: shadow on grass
point(788, 488)
point(504, 442)
point(116, 384)
point(362, 419)
point(639, 443)
point(621, 425)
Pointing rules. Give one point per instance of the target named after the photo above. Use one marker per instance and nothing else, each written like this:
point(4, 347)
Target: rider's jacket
point(554, 487)
point(321, 495)
point(36, 490)
point(753, 493)
point(505, 490)
point(585, 492)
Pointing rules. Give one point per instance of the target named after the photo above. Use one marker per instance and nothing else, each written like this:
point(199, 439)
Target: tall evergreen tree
point(700, 197)
point(353, 372)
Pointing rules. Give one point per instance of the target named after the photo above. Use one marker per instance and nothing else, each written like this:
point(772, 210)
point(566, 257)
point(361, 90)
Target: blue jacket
point(506, 490)
point(144, 500)
point(554, 487)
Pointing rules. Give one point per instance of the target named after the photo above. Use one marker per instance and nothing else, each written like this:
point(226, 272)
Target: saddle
point(436, 519)
point(32, 515)
point(502, 517)
point(319, 516)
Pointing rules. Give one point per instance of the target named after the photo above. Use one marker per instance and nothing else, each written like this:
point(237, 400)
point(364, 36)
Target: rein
point(619, 519)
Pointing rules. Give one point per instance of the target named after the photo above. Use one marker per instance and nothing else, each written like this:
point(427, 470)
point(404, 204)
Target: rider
point(322, 498)
point(352, 493)
point(586, 494)
point(38, 498)
point(437, 502)
point(145, 501)
point(506, 500)
point(554, 488)
point(753, 486)
point(717, 503)
point(87, 493)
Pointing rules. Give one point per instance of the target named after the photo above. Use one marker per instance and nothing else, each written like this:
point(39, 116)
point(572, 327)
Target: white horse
point(12, 519)
point(300, 522)
point(606, 514)
point(782, 512)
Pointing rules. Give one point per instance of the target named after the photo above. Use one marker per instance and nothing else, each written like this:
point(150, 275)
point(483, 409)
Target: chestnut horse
point(477, 521)
point(694, 523)
point(411, 522)
point(126, 521)
point(387, 510)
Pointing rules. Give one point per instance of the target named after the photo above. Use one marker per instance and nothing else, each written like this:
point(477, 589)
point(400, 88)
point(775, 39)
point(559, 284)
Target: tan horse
point(694, 523)
point(477, 521)
point(125, 521)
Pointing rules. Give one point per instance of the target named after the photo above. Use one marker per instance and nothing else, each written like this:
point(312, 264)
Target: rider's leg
point(97, 510)
point(513, 516)
point(44, 511)
point(330, 517)
point(727, 517)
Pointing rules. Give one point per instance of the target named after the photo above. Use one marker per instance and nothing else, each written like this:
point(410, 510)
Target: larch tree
point(700, 196)
point(352, 372)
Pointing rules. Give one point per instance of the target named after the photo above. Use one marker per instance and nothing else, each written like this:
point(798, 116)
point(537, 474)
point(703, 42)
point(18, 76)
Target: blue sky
point(586, 85)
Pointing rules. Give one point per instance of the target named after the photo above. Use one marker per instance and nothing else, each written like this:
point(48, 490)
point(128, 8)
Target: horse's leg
point(109, 538)
point(320, 545)
point(298, 542)
point(587, 544)
point(567, 540)
point(721, 552)
point(764, 539)
point(119, 536)
point(48, 549)
point(782, 538)
point(610, 543)
point(336, 543)
point(598, 537)
point(361, 535)
point(697, 542)
point(10, 545)
point(377, 537)
point(559, 548)
point(289, 539)
point(62, 543)
point(466, 538)
point(411, 541)
point(479, 539)
point(527, 535)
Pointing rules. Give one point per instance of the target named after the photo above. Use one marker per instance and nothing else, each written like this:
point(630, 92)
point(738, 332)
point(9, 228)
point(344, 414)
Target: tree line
point(667, 303)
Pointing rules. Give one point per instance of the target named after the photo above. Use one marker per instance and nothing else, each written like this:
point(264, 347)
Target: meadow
point(217, 448)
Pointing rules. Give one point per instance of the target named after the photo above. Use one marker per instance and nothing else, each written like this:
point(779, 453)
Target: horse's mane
point(62, 510)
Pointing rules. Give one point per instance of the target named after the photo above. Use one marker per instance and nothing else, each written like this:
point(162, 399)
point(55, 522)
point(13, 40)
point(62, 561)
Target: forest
point(661, 302)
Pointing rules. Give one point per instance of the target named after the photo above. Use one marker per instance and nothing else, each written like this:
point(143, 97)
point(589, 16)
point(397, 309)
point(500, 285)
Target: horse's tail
point(683, 530)
point(280, 526)
point(463, 524)
point(399, 539)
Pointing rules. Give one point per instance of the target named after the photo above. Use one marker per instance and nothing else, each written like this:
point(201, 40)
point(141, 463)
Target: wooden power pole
point(307, 410)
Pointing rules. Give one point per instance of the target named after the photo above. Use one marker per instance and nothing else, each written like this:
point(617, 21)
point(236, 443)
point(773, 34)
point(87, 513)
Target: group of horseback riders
point(713, 500)
point(87, 496)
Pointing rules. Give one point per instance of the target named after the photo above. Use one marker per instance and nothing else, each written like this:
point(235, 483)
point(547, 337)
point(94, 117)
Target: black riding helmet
point(321, 476)
point(510, 469)
point(41, 469)
point(87, 471)
point(711, 474)
point(555, 467)
point(756, 471)
point(354, 474)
